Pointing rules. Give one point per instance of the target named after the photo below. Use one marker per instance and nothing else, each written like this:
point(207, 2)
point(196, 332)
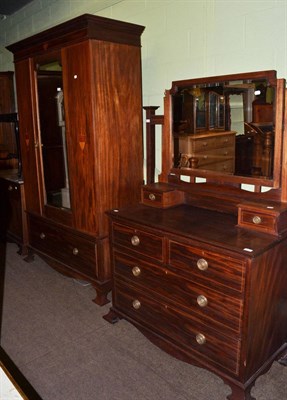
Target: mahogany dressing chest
point(199, 265)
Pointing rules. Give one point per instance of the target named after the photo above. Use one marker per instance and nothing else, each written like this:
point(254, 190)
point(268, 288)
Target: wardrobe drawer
point(73, 250)
point(12, 188)
point(214, 270)
point(138, 241)
point(215, 308)
point(172, 323)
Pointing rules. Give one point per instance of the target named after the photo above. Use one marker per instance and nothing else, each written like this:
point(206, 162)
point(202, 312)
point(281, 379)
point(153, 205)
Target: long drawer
point(208, 143)
point(219, 271)
point(216, 154)
point(216, 309)
point(138, 241)
point(184, 330)
point(215, 164)
point(63, 245)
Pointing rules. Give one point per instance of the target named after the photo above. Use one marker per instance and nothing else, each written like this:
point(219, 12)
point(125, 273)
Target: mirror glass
point(53, 134)
point(225, 126)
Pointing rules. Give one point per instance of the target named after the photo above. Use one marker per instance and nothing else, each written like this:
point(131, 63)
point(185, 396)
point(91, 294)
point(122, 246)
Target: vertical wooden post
point(151, 121)
point(284, 156)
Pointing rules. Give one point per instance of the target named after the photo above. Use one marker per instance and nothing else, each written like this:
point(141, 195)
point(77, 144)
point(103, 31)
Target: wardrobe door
point(29, 140)
point(80, 126)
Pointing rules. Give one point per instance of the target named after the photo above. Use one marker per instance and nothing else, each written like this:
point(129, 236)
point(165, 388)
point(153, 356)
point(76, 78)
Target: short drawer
point(177, 326)
point(138, 241)
point(214, 270)
point(163, 199)
point(63, 245)
point(258, 221)
point(216, 309)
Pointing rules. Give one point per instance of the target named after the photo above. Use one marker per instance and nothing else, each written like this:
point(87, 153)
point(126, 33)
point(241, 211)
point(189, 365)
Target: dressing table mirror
point(199, 265)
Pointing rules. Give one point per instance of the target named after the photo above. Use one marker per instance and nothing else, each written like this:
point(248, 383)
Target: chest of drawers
point(208, 150)
point(207, 296)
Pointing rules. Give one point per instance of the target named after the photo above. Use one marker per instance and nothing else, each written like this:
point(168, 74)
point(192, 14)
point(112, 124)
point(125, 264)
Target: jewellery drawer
point(188, 333)
point(216, 309)
point(258, 221)
point(211, 269)
point(162, 199)
point(265, 217)
point(138, 241)
point(63, 245)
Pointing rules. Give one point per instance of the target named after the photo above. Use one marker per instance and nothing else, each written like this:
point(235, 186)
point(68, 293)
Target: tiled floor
point(7, 389)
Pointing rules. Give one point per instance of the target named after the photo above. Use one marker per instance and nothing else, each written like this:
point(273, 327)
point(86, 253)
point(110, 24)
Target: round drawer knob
point(202, 301)
point(202, 264)
point(135, 240)
point(136, 304)
point(42, 235)
point(75, 251)
point(151, 196)
point(256, 220)
point(200, 338)
point(10, 188)
point(136, 271)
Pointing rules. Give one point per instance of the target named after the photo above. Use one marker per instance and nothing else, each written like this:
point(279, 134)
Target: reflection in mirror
point(225, 127)
point(52, 130)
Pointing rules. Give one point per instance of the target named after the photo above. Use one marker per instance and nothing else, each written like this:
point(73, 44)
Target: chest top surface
point(205, 226)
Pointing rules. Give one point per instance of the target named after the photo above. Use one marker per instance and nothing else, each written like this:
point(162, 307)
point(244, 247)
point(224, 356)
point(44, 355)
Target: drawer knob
point(42, 235)
point(256, 220)
point(200, 338)
point(10, 188)
point(202, 301)
point(135, 240)
point(202, 264)
point(75, 251)
point(136, 271)
point(151, 196)
point(136, 304)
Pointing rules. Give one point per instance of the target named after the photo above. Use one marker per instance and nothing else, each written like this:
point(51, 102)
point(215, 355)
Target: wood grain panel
point(29, 135)
point(79, 112)
point(267, 319)
point(104, 129)
point(119, 147)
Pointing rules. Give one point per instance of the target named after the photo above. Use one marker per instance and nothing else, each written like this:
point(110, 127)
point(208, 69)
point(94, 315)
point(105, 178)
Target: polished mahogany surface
point(199, 266)
point(216, 228)
point(83, 155)
point(201, 288)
